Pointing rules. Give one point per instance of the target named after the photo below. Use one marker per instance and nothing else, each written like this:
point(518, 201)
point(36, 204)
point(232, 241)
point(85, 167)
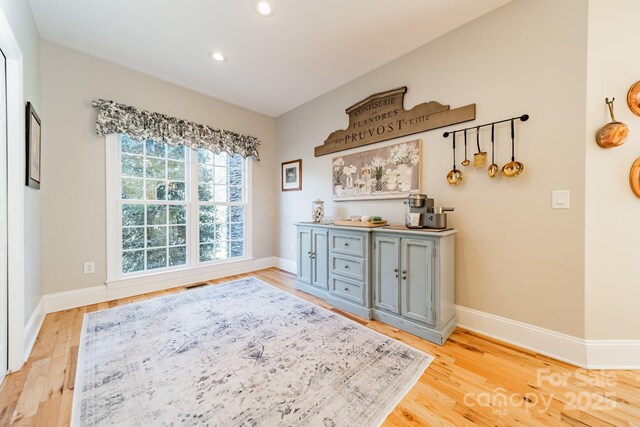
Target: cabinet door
point(417, 280)
point(320, 259)
point(304, 255)
point(386, 273)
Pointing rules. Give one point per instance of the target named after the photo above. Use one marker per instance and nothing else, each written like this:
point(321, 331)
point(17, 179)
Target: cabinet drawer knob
point(346, 243)
point(346, 266)
point(346, 289)
point(395, 270)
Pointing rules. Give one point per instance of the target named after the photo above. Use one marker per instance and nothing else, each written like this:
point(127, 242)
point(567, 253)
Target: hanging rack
point(523, 118)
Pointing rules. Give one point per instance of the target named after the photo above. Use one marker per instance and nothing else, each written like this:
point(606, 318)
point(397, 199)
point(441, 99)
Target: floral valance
point(141, 125)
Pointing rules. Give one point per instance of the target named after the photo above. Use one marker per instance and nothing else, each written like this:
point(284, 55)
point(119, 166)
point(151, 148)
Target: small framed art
point(33, 139)
point(292, 175)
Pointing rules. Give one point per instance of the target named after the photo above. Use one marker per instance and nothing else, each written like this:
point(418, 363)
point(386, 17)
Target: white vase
point(406, 172)
point(338, 189)
point(391, 186)
point(349, 181)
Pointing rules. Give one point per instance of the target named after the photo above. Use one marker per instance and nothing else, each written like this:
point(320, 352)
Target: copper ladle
point(466, 161)
point(493, 168)
point(512, 168)
point(454, 177)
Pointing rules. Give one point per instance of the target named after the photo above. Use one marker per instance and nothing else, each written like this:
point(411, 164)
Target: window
point(177, 207)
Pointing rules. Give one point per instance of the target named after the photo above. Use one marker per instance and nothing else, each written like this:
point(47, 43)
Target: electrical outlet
point(89, 267)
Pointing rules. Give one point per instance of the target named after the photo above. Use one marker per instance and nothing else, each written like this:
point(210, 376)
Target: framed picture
point(391, 172)
point(292, 175)
point(33, 139)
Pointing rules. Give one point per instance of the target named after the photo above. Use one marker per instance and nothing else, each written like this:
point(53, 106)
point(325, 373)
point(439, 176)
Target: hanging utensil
point(466, 161)
point(512, 168)
point(454, 177)
point(634, 177)
point(493, 168)
point(612, 134)
point(480, 158)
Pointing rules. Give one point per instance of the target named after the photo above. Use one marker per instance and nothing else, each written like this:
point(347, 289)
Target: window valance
point(141, 125)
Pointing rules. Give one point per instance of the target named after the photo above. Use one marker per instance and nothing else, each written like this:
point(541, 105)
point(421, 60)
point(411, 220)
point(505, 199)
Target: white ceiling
point(307, 48)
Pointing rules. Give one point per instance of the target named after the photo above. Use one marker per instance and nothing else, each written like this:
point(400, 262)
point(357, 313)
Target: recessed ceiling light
point(218, 56)
point(264, 7)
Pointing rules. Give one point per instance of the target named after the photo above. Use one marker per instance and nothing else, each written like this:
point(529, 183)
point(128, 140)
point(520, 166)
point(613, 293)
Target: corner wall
point(74, 157)
point(515, 256)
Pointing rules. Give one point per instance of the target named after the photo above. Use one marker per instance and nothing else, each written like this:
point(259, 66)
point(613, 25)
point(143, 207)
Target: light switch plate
point(560, 199)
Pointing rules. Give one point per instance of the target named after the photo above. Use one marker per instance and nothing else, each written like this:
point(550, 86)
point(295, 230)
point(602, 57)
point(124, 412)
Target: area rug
point(242, 353)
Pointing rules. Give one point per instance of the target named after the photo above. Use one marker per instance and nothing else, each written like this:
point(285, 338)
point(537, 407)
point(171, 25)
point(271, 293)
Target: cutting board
point(368, 224)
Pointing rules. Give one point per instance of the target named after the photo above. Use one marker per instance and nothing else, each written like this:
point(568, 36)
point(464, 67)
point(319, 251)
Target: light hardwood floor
point(473, 380)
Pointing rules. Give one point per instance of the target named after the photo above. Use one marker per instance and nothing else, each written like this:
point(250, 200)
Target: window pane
point(177, 214)
point(132, 188)
point(176, 191)
point(156, 214)
point(220, 193)
point(222, 213)
point(156, 237)
point(237, 231)
point(205, 192)
point(132, 165)
point(175, 170)
point(222, 232)
point(235, 194)
point(205, 174)
point(207, 252)
point(205, 157)
point(236, 214)
point(176, 153)
point(156, 258)
point(207, 214)
point(222, 250)
point(132, 261)
point(133, 238)
point(155, 149)
point(156, 168)
point(177, 235)
point(220, 174)
point(207, 233)
point(129, 145)
point(235, 176)
point(237, 249)
point(156, 190)
point(132, 215)
point(221, 159)
point(177, 256)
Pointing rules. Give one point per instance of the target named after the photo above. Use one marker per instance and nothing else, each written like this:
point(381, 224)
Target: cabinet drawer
point(353, 268)
point(347, 243)
point(347, 289)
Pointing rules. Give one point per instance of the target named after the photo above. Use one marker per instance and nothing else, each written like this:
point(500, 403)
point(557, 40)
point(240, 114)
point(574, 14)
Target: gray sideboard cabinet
point(404, 278)
point(312, 245)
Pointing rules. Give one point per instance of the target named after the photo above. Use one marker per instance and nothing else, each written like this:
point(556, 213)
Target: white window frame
point(115, 276)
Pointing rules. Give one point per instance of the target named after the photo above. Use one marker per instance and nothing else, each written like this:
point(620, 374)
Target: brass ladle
point(512, 168)
point(454, 177)
point(493, 168)
point(480, 158)
point(466, 161)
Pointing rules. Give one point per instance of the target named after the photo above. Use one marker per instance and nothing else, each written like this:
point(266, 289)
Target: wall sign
point(382, 116)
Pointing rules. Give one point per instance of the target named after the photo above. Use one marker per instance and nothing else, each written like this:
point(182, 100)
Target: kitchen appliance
point(429, 216)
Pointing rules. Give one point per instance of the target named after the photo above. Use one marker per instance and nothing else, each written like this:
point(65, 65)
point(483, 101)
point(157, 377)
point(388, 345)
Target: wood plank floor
point(473, 380)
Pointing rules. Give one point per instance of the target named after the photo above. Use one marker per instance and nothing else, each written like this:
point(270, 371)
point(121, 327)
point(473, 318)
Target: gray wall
point(23, 26)
point(74, 188)
point(515, 256)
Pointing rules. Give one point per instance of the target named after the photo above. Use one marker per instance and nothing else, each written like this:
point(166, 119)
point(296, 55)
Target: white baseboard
point(140, 285)
point(612, 354)
point(287, 265)
point(589, 354)
point(32, 328)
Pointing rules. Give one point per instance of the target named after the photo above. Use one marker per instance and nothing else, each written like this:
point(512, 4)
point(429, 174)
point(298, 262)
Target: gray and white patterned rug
point(242, 353)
